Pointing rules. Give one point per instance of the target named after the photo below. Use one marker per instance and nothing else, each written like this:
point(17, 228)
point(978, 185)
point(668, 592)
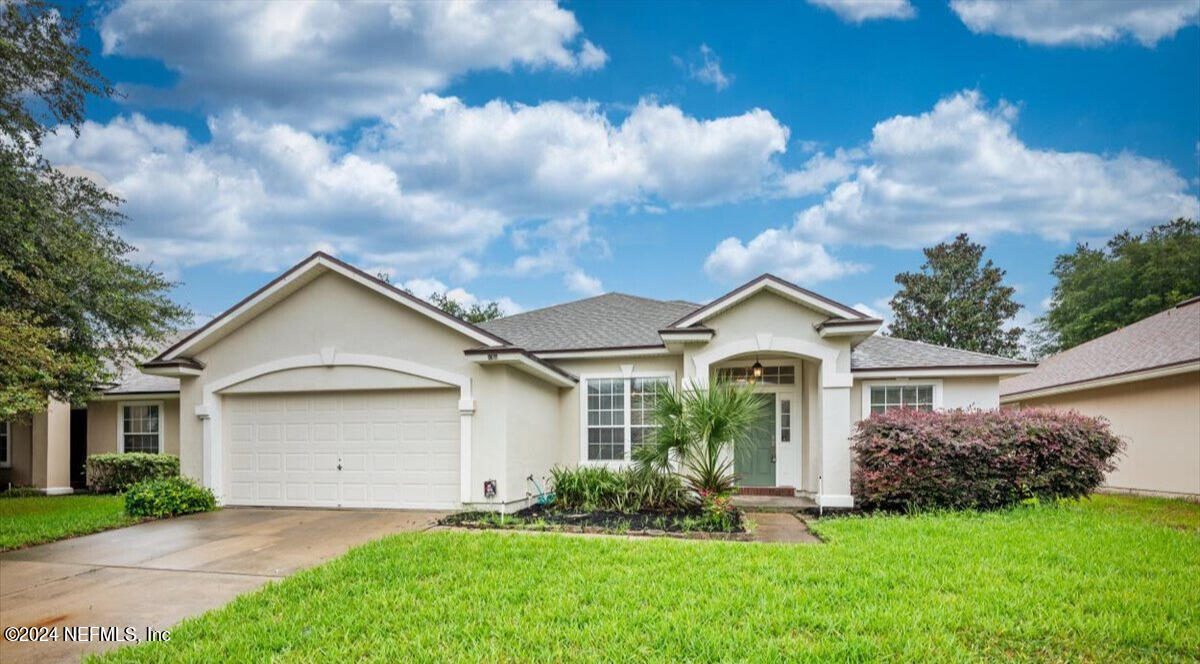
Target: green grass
point(1098, 581)
point(39, 519)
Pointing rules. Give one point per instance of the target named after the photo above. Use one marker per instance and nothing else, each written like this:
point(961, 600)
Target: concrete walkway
point(155, 574)
point(781, 527)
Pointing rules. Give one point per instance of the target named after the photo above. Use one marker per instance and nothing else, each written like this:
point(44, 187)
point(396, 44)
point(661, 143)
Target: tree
point(1134, 276)
point(73, 307)
point(955, 301)
point(475, 313)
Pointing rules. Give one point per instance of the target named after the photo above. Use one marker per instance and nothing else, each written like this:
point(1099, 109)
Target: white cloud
point(261, 196)
point(960, 168)
point(428, 191)
point(582, 283)
point(819, 172)
point(780, 253)
point(426, 287)
point(1078, 22)
point(558, 159)
point(318, 65)
point(881, 308)
point(706, 69)
point(857, 11)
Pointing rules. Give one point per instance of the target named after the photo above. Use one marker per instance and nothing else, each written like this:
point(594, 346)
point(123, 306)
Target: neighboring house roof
point(1167, 339)
point(130, 380)
point(881, 353)
point(612, 320)
point(133, 381)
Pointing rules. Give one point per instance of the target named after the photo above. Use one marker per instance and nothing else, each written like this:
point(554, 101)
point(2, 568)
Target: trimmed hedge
point(908, 459)
point(112, 473)
point(168, 496)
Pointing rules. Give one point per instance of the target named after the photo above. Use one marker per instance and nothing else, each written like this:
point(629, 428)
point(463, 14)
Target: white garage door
point(397, 448)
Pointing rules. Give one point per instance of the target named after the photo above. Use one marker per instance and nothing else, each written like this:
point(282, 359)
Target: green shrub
point(111, 473)
point(168, 496)
point(589, 489)
point(719, 513)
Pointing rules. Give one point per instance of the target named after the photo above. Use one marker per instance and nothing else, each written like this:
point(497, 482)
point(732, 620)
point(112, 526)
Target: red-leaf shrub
point(909, 459)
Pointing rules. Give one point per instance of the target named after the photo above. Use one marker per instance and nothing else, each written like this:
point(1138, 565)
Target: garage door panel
point(396, 449)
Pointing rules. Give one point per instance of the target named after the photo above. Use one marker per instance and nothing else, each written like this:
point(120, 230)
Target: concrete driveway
point(155, 574)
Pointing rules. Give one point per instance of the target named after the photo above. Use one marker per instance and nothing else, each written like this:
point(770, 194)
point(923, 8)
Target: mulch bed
point(685, 524)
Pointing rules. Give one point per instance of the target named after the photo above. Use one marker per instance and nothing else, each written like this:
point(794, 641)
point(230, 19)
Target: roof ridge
point(960, 350)
point(584, 299)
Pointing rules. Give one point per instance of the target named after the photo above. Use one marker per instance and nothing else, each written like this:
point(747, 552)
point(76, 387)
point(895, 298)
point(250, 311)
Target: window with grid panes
point(140, 428)
point(887, 397)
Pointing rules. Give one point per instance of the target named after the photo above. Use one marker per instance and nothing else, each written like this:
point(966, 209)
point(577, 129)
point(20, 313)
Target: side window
point(141, 428)
point(887, 397)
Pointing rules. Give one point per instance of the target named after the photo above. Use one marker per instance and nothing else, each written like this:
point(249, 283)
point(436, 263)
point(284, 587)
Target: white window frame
point(626, 378)
point(162, 422)
point(905, 382)
point(7, 463)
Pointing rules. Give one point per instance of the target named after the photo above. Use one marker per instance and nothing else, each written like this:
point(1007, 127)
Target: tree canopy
point(73, 305)
point(475, 313)
point(1134, 276)
point(957, 300)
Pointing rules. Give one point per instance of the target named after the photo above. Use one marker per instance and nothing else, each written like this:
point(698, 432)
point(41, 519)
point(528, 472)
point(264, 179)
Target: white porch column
point(834, 483)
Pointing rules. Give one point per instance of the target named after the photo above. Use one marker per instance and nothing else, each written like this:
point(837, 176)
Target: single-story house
point(1145, 380)
point(330, 387)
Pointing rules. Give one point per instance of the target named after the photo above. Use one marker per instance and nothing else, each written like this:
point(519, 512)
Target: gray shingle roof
point(131, 381)
point(878, 352)
point(611, 320)
point(616, 320)
point(1166, 338)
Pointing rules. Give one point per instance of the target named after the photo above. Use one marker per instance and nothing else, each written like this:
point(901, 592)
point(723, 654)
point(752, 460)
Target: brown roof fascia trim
point(177, 362)
point(410, 297)
point(315, 255)
point(1105, 376)
point(602, 348)
point(836, 322)
point(489, 350)
point(1015, 365)
point(753, 282)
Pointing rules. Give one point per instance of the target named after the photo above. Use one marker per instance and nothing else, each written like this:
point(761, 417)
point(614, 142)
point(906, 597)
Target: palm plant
point(702, 430)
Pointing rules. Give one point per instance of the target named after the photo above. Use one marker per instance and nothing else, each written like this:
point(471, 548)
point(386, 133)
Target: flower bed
point(684, 523)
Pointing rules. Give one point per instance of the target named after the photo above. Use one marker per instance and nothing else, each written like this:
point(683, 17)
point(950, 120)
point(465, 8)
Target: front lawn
point(38, 519)
point(1098, 581)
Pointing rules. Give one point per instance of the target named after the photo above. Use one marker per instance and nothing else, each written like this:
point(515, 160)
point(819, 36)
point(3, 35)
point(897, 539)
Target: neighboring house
point(329, 387)
point(139, 412)
point(1145, 379)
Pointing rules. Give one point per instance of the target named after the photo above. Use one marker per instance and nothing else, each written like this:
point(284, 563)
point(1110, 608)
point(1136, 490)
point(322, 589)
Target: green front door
point(755, 462)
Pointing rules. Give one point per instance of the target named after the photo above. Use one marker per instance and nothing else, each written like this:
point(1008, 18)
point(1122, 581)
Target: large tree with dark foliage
point(72, 304)
point(957, 300)
point(1132, 277)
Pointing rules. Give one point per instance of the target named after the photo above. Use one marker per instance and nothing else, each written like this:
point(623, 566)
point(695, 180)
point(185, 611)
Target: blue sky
point(538, 153)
